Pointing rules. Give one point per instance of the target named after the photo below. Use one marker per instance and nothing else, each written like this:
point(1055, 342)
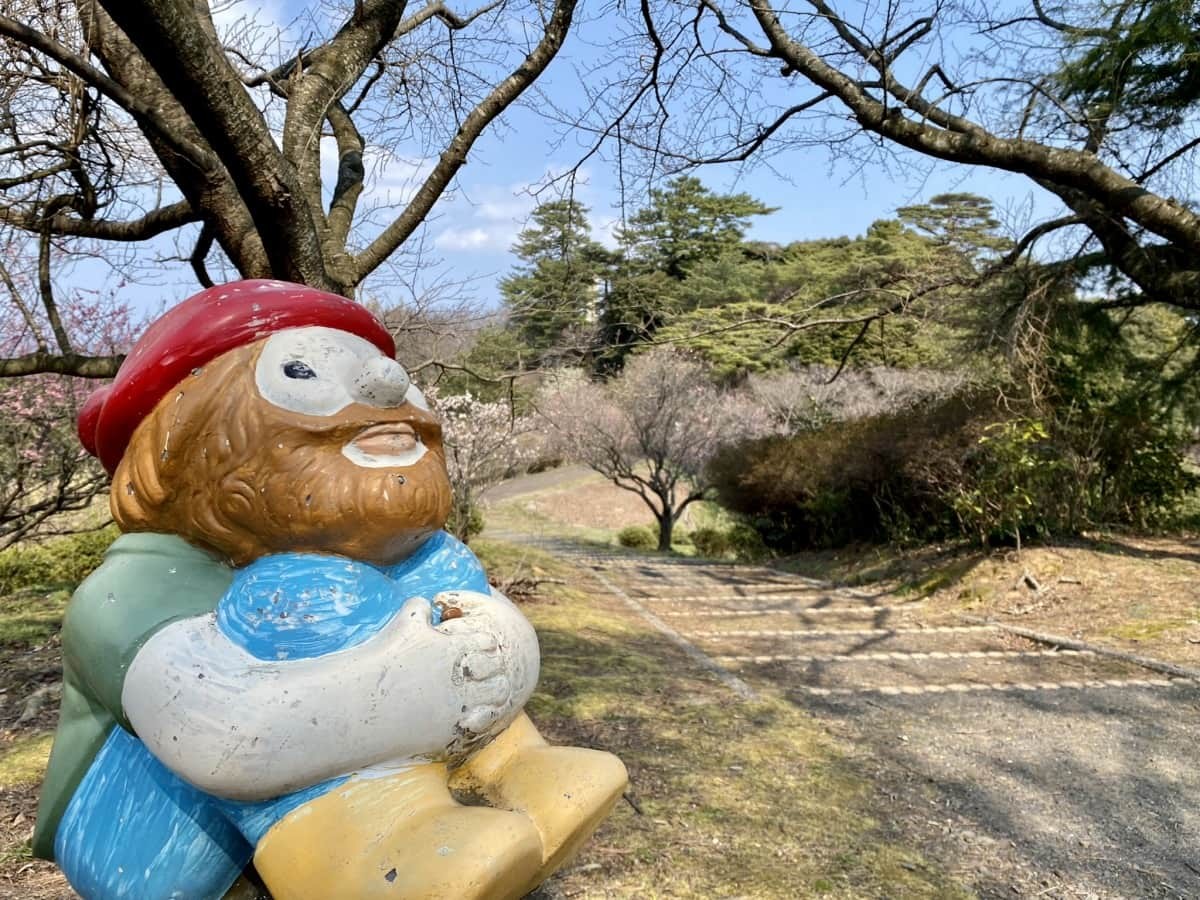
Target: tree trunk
point(462, 518)
point(666, 524)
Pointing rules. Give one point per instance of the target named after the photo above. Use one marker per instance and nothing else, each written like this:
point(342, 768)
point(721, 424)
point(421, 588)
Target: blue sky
point(471, 230)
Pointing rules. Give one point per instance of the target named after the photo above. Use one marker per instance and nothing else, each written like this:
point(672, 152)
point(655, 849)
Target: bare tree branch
point(199, 256)
point(454, 157)
point(153, 223)
point(145, 114)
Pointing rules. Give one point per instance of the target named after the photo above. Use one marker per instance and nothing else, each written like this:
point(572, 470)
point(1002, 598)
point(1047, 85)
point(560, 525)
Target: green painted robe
point(146, 582)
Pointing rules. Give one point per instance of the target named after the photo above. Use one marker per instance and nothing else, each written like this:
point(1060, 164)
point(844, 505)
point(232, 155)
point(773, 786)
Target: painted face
point(320, 371)
point(309, 440)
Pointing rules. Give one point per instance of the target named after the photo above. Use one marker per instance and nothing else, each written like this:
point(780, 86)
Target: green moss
point(1146, 630)
point(22, 761)
point(937, 578)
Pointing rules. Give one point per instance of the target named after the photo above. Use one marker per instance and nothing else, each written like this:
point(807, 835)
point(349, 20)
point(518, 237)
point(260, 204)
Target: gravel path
point(1024, 769)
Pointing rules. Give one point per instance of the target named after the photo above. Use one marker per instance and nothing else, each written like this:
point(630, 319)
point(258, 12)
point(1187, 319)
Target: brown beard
point(220, 466)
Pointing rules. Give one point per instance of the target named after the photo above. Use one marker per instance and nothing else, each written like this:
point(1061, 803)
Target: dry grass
point(1136, 594)
point(1139, 594)
point(587, 508)
point(732, 799)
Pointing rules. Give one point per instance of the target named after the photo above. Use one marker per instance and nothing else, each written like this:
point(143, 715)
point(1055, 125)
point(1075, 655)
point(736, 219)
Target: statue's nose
point(382, 382)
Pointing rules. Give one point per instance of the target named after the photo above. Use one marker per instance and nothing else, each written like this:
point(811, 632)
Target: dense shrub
point(475, 522)
point(745, 542)
point(711, 542)
point(963, 467)
point(739, 540)
point(637, 537)
point(60, 562)
point(1095, 431)
point(869, 479)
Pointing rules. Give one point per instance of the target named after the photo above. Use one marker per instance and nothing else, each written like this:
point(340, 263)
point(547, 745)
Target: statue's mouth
point(388, 444)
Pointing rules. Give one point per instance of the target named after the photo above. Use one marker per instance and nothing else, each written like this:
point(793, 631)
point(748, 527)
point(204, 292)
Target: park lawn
point(1138, 594)
point(30, 667)
point(727, 798)
point(590, 509)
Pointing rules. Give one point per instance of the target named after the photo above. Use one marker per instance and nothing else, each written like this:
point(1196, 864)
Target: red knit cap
point(198, 330)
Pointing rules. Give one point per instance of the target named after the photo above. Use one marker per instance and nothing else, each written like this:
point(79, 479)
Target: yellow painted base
point(404, 837)
point(565, 791)
point(400, 836)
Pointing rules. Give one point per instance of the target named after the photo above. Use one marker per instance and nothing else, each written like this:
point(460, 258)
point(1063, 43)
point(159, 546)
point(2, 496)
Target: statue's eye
point(297, 369)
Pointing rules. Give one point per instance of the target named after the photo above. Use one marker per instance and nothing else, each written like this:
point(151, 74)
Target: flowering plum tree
point(44, 470)
point(484, 442)
point(652, 430)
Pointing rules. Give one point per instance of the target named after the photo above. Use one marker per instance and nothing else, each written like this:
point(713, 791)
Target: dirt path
point(1025, 769)
point(528, 484)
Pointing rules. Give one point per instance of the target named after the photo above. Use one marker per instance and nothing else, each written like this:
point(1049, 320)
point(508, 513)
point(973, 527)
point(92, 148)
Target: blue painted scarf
point(301, 605)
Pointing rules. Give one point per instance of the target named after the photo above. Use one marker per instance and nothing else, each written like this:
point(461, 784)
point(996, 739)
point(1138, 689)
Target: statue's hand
point(497, 665)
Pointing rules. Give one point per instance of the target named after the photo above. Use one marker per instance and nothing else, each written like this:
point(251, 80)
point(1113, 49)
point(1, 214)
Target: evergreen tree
point(963, 223)
point(556, 291)
point(1144, 68)
point(685, 223)
point(685, 232)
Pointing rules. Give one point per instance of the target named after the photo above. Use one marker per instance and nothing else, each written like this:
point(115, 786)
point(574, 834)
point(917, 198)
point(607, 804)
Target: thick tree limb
point(325, 76)
point(454, 157)
point(62, 224)
point(960, 140)
point(350, 174)
point(75, 364)
point(211, 192)
point(190, 62)
point(1162, 272)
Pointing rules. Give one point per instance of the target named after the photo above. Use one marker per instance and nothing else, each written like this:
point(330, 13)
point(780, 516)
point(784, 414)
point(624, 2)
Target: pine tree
point(556, 291)
point(685, 223)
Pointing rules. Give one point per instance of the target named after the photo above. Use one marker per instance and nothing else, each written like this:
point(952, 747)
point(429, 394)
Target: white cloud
point(488, 217)
point(497, 237)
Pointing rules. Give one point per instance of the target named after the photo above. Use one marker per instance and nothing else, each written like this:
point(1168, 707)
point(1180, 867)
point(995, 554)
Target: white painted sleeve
point(250, 729)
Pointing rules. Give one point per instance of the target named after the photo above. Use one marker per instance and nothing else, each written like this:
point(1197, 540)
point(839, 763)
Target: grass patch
point(736, 799)
point(23, 760)
point(22, 764)
point(937, 578)
point(506, 562)
point(520, 514)
point(31, 616)
point(1149, 630)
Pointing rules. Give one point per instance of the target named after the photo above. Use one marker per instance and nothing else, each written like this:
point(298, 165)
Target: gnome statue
point(284, 660)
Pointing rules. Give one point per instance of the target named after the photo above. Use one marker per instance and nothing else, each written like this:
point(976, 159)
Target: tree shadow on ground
point(727, 798)
point(1119, 546)
point(1091, 789)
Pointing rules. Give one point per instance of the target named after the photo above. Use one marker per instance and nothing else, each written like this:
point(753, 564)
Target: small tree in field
point(651, 431)
point(483, 443)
